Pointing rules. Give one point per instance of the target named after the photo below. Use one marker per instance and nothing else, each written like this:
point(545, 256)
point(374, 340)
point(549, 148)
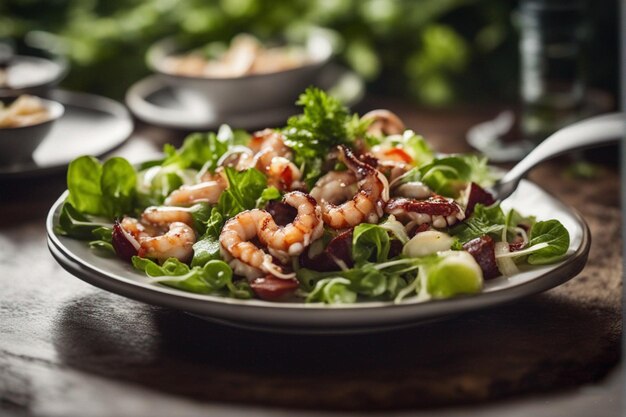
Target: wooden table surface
point(67, 348)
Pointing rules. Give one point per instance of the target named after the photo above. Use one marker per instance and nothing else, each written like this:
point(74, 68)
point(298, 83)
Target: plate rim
point(216, 307)
point(77, 99)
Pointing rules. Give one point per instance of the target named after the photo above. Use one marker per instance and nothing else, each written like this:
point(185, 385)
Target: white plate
point(116, 276)
point(91, 125)
point(154, 102)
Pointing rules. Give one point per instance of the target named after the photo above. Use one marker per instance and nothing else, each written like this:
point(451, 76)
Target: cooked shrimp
point(268, 138)
point(272, 158)
point(291, 239)
point(283, 174)
point(165, 215)
point(207, 191)
point(161, 242)
point(367, 204)
point(177, 242)
point(244, 256)
point(336, 187)
point(393, 169)
point(384, 123)
point(139, 230)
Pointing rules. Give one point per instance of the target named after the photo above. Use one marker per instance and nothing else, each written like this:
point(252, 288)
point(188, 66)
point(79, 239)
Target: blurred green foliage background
point(434, 51)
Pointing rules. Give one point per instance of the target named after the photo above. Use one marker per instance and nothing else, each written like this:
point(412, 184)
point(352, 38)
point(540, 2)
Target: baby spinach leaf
point(118, 184)
point(215, 277)
point(446, 176)
point(83, 182)
point(370, 242)
point(244, 189)
point(552, 233)
point(205, 250)
point(200, 212)
point(367, 280)
point(101, 190)
point(197, 150)
point(74, 224)
point(208, 246)
point(202, 151)
point(332, 291)
point(269, 194)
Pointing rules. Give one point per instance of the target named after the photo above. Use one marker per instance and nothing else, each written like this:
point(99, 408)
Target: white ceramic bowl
point(224, 96)
point(33, 75)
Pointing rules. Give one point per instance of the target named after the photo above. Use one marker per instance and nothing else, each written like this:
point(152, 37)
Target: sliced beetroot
point(419, 229)
point(477, 195)
point(395, 248)
point(271, 288)
point(123, 242)
point(340, 247)
point(282, 213)
point(483, 250)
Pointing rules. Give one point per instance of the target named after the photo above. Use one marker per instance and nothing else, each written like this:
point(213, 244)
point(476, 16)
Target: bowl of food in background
point(243, 76)
point(25, 121)
point(32, 75)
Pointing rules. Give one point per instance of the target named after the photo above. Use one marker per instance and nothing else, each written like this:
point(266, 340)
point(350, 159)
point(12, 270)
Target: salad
point(331, 208)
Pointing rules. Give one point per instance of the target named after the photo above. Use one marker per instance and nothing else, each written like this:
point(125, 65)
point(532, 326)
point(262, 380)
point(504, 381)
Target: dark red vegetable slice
point(483, 250)
point(123, 242)
point(271, 288)
point(340, 247)
point(477, 195)
point(419, 229)
point(282, 213)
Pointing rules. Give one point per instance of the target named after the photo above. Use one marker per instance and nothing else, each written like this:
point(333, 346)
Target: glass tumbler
point(552, 48)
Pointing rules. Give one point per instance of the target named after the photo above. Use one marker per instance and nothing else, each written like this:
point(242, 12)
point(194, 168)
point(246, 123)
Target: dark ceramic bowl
point(17, 144)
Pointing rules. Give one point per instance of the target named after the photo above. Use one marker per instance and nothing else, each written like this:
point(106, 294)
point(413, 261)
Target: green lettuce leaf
point(554, 238)
point(215, 277)
point(450, 175)
point(413, 144)
point(83, 182)
point(107, 190)
point(370, 242)
point(118, 185)
point(244, 189)
point(485, 220)
point(244, 192)
point(207, 247)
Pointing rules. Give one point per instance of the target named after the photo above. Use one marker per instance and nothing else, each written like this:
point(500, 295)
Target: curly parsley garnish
point(324, 124)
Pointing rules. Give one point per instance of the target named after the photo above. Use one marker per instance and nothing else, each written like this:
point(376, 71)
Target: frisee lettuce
point(324, 123)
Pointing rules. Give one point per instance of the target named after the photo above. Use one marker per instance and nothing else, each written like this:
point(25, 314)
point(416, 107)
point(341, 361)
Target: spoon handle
point(588, 133)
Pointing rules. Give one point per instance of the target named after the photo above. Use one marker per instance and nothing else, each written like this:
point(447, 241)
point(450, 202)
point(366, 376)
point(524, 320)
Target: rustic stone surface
point(68, 347)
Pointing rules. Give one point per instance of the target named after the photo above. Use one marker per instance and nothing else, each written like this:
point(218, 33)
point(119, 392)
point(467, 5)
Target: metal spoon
point(588, 133)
